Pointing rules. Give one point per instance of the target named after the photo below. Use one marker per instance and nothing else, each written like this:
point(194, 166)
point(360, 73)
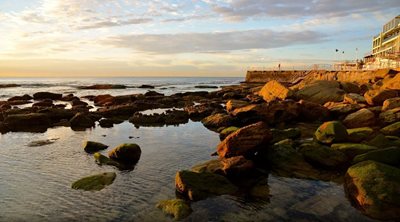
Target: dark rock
point(321, 155)
point(27, 122)
point(103, 86)
point(46, 95)
point(361, 118)
point(19, 98)
point(331, 132)
point(106, 123)
point(313, 111)
point(353, 149)
point(390, 156)
point(92, 147)
point(95, 182)
point(146, 87)
point(377, 97)
point(82, 120)
point(153, 93)
point(218, 120)
point(128, 154)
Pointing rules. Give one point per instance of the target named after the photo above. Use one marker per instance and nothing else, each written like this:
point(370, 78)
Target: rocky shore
point(345, 132)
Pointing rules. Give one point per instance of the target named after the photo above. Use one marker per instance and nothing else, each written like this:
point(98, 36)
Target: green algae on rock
point(390, 156)
point(353, 149)
point(321, 155)
point(92, 147)
point(392, 129)
point(127, 153)
point(177, 208)
point(331, 132)
point(357, 135)
point(95, 182)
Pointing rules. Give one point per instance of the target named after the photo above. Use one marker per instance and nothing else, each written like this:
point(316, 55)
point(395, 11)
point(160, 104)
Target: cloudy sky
point(175, 38)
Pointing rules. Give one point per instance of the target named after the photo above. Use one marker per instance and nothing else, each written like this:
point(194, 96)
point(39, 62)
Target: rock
point(245, 140)
point(106, 123)
point(353, 149)
point(331, 132)
point(101, 99)
point(374, 187)
point(260, 189)
point(82, 120)
point(146, 87)
point(153, 94)
point(339, 109)
point(217, 120)
point(279, 135)
point(237, 166)
point(390, 116)
point(44, 103)
point(361, 118)
point(206, 87)
point(27, 122)
point(9, 85)
point(42, 142)
point(354, 98)
point(382, 141)
point(321, 92)
point(128, 154)
point(211, 166)
point(313, 111)
point(392, 83)
point(20, 98)
point(201, 111)
point(378, 96)
point(92, 147)
point(391, 104)
point(119, 110)
point(103, 86)
point(198, 186)
point(77, 102)
point(103, 160)
point(350, 87)
point(390, 156)
point(321, 155)
point(392, 130)
point(234, 104)
point(47, 95)
point(177, 208)
point(357, 135)
point(278, 112)
point(273, 90)
point(176, 117)
point(95, 182)
point(227, 131)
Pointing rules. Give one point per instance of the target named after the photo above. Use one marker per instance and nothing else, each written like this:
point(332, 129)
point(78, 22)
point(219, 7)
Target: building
point(387, 43)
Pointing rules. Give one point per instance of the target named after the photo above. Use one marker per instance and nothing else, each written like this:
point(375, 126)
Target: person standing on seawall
point(279, 67)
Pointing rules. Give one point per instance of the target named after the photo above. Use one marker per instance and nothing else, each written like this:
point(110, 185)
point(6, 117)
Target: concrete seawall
point(306, 76)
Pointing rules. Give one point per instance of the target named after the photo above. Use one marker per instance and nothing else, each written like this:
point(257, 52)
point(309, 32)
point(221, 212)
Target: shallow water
point(35, 181)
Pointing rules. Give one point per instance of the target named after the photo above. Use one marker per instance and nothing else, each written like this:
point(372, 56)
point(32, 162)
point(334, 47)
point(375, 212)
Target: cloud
point(237, 10)
point(104, 24)
point(213, 42)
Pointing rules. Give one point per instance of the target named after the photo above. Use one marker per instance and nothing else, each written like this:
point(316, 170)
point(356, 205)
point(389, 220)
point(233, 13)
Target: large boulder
point(92, 147)
point(47, 95)
point(211, 166)
point(378, 96)
point(354, 98)
point(357, 135)
point(374, 187)
point(390, 116)
point(321, 155)
point(234, 104)
point(217, 121)
point(290, 133)
point(362, 118)
point(339, 109)
point(128, 153)
point(321, 92)
point(198, 186)
point(353, 149)
point(392, 129)
point(177, 208)
point(277, 112)
point(26, 122)
point(82, 120)
point(331, 132)
point(274, 90)
point(313, 111)
point(390, 156)
point(391, 104)
point(245, 140)
point(237, 166)
point(95, 182)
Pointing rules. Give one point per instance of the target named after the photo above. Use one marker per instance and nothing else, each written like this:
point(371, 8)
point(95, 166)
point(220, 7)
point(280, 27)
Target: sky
point(74, 38)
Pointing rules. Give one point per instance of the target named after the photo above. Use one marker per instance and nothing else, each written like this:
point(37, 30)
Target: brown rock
point(378, 96)
point(391, 104)
point(274, 90)
point(237, 166)
point(390, 116)
point(234, 104)
point(245, 140)
point(47, 95)
point(313, 111)
point(362, 118)
point(354, 98)
point(321, 92)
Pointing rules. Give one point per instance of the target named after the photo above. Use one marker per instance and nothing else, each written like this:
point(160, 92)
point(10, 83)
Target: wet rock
point(237, 166)
point(104, 86)
point(177, 208)
point(227, 131)
point(155, 119)
point(382, 141)
point(153, 93)
point(321, 155)
point(378, 96)
point(340, 109)
point(201, 111)
point(353, 149)
point(77, 102)
point(146, 87)
point(248, 114)
point(390, 156)
point(245, 140)
point(19, 102)
point(42, 142)
point(260, 189)
point(279, 135)
point(92, 147)
point(357, 135)
point(313, 111)
point(103, 160)
point(277, 112)
point(9, 85)
point(44, 103)
point(27, 122)
point(331, 132)
point(390, 116)
point(128, 154)
point(391, 104)
point(374, 187)
point(206, 87)
point(198, 186)
point(176, 117)
point(211, 166)
point(361, 118)
point(46, 95)
point(392, 130)
point(69, 97)
point(350, 87)
point(321, 92)
point(274, 90)
point(119, 110)
point(20, 98)
point(82, 120)
point(102, 99)
point(234, 104)
point(354, 98)
point(95, 182)
point(218, 120)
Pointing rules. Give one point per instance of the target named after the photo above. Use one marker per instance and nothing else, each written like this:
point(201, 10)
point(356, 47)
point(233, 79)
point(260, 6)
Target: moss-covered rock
point(227, 131)
point(279, 135)
point(92, 147)
point(392, 130)
point(103, 160)
point(321, 155)
point(95, 182)
point(362, 118)
point(198, 186)
point(357, 135)
point(211, 166)
point(374, 187)
point(177, 208)
point(331, 132)
point(382, 141)
point(353, 149)
point(390, 156)
point(128, 153)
